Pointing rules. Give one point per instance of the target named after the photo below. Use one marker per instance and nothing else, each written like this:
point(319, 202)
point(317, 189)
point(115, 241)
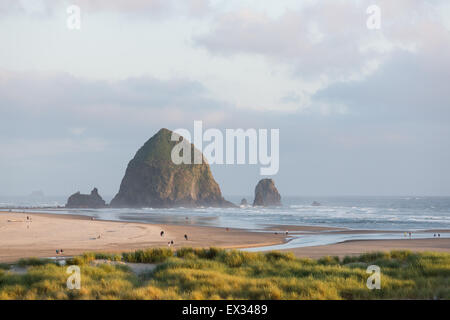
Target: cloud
point(406, 88)
point(21, 148)
point(194, 7)
point(140, 100)
point(317, 40)
point(400, 71)
point(135, 8)
point(77, 131)
point(328, 40)
point(37, 8)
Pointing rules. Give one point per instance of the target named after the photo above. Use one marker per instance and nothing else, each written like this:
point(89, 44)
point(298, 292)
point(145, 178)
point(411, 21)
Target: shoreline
point(292, 229)
point(76, 234)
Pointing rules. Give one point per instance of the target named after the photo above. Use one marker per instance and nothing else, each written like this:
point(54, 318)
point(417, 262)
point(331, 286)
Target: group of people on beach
point(438, 235)
point(171, 243)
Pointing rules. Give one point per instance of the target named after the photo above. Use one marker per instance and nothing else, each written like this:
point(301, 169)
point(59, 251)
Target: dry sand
point(46, 233)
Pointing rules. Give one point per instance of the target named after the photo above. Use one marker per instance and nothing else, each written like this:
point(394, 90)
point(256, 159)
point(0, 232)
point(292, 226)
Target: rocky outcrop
point(244, 202)
point(153, 180)
point(315, 204)
point(266, 194)
point(93, 200)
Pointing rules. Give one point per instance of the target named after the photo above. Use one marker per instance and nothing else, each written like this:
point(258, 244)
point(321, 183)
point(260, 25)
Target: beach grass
point(4, 266)
point(230, 274)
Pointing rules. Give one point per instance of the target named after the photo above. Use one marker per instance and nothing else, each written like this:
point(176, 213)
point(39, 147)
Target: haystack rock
point(93, 200)
point(244, 202)
point(153, 180)
point(266, 194)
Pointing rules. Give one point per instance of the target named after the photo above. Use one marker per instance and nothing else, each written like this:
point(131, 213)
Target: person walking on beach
point(162, 233)
point(185, 237)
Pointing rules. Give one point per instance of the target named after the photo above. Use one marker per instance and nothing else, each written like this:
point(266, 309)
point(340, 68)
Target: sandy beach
point(43, 234)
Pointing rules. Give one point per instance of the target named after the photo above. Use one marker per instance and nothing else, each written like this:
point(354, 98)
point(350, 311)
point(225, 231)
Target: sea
point(384, 214)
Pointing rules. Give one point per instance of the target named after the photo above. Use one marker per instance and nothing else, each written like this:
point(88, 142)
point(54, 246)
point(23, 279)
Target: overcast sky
point(360, 111)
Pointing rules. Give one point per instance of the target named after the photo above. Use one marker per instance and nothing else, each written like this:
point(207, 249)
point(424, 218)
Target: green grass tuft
point(33, 262)
point(5, 266)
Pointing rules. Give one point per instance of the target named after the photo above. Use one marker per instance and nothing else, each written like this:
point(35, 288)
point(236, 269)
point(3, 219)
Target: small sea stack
point(91, 201)
point(266, 194)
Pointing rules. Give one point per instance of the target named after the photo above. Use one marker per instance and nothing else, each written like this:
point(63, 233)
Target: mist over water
point(373, 213)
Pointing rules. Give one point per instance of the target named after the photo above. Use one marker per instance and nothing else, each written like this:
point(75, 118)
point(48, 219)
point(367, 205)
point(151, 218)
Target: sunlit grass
point(222, 274)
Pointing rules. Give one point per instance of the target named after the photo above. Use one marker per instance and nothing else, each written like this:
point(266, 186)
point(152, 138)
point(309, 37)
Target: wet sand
point(299, 229)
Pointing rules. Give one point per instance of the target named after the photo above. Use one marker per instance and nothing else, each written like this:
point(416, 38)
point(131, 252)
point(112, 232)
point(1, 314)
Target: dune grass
point(4, 266)
point(229, 274)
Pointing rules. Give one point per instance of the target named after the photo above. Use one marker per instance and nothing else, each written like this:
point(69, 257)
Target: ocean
point(360, 213)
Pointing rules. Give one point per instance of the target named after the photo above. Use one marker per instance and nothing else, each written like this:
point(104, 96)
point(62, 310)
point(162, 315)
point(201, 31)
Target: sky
point(360, 111)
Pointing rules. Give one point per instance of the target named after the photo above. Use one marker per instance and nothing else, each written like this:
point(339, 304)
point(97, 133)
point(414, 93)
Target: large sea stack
point(93, 200)
point(266, 194)
point(153, 180)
